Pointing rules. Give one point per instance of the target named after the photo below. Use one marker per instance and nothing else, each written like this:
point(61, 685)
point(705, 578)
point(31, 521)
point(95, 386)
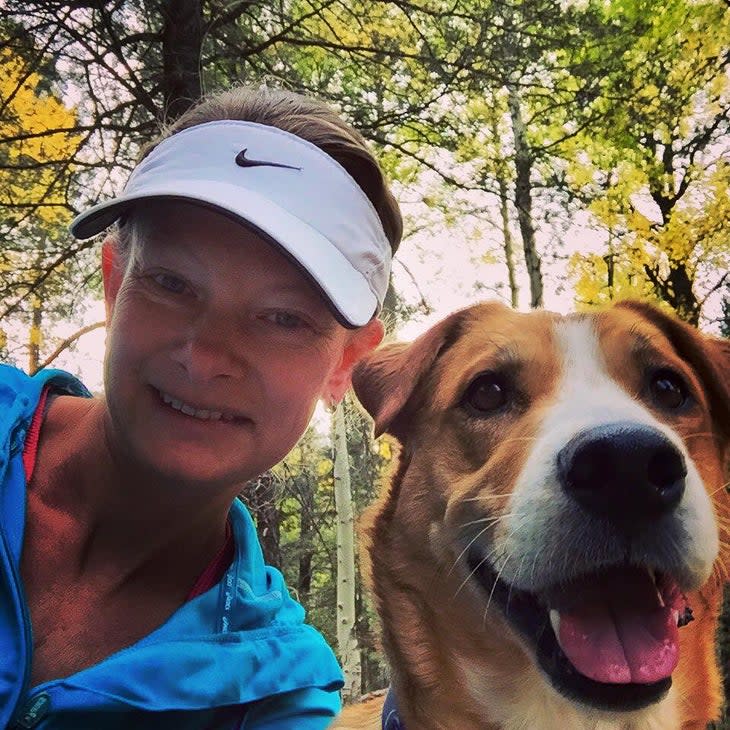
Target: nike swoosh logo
point(243, 161)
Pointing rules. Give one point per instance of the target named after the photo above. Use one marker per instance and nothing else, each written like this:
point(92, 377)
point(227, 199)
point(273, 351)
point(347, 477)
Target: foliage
point(655, 174)
point(36, 139)
point(37, 145)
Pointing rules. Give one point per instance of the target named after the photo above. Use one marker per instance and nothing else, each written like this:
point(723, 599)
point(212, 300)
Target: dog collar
point(390, 718)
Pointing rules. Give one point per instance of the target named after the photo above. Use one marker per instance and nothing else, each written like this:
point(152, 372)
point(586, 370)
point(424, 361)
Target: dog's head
point(571, 470)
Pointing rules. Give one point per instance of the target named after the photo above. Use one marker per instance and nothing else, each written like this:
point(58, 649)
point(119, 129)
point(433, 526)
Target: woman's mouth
point(201, 414)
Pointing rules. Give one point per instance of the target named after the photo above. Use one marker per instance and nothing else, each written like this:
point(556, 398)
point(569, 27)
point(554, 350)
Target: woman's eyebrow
point(174, 255)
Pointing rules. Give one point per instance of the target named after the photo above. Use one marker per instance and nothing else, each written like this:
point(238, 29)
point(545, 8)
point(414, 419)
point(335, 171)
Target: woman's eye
point(170, 283)
point(668, 389)
point(287, 320)
point(488, 392)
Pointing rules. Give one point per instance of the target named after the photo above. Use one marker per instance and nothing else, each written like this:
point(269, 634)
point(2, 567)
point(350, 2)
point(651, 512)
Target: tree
point(35, 142)
point(52, 50)
point(37, 138)
point(261, 499)
point(725, 316)
point(656, 175)
point(346, 581)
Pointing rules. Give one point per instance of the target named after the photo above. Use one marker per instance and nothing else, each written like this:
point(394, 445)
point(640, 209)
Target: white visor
point(283, 187)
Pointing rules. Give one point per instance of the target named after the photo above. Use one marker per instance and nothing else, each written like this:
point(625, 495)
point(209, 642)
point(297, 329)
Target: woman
point(242, 281)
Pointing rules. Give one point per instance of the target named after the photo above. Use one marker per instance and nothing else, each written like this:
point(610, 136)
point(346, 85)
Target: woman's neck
point(122, 515)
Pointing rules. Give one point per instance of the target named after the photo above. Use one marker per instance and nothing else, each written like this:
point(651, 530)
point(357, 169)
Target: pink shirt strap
point(216, 568)
point(30, 449)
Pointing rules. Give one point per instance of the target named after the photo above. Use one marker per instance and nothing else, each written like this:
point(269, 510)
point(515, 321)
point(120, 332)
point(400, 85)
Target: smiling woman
point(242, 283)
point(210, 316)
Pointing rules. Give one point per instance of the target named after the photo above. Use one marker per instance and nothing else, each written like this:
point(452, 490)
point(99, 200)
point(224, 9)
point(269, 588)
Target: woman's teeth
point(200, 413)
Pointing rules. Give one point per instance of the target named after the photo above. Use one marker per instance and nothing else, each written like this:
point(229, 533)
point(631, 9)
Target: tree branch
point(65, 344)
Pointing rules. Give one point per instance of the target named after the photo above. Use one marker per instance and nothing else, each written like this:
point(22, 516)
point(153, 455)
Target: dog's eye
point(487, 392)
point(668, 389)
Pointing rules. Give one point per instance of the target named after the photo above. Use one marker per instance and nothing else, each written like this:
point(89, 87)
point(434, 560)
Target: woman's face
point(218, 348)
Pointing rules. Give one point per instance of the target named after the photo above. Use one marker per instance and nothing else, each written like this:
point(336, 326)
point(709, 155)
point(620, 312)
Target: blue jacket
point(237, 657)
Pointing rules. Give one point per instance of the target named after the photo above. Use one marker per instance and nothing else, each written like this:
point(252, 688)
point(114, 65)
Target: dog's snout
point(624, 472)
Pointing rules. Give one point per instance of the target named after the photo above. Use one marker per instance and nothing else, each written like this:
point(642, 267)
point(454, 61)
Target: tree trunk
point(306, 536)
point(679, 288)
point(676, 290)
point(182, 40)
point(390, 304)
point(260, 496)
point(523, 198)
point(508, 243)
point(346, 635)
point(36, 335)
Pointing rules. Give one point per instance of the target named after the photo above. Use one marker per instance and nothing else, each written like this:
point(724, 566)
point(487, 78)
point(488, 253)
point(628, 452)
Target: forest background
point(561, 154)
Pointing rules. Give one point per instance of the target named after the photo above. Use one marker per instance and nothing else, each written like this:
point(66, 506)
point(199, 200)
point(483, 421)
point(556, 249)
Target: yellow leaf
point(36, 336)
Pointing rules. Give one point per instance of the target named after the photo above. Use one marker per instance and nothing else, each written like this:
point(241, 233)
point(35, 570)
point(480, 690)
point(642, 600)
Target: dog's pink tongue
point(619, 631)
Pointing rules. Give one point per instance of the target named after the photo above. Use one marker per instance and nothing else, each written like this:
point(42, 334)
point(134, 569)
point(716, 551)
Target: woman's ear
point(359, 343)
point(112, 271)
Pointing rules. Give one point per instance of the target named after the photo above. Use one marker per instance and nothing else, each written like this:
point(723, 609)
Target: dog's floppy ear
point(385, 380)
point(709, 356)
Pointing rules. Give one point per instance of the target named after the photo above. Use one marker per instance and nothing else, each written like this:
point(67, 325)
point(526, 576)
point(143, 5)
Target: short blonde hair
point(308, 118)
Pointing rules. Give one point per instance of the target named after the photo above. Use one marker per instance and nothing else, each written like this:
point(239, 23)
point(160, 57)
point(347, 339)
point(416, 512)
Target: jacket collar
point(241, 641)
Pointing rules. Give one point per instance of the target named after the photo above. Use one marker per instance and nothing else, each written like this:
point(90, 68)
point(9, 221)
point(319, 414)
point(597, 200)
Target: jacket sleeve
point(305, 709)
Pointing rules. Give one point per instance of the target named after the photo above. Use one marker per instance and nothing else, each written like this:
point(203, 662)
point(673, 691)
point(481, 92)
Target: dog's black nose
point(624, 472)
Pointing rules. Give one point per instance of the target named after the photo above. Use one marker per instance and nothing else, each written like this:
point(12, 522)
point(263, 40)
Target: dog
point(551, 549)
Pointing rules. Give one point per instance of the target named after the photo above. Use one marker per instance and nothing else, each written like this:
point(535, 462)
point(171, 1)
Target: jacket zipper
point(26, 627)
point(18, 593)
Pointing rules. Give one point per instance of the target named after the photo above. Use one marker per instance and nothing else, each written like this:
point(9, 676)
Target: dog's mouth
point(608, 639)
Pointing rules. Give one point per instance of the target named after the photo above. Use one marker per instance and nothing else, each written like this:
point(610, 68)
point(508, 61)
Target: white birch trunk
point(523, 197)
point(346, 637)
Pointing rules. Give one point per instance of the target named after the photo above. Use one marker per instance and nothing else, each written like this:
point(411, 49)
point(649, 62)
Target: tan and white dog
point(551, 550)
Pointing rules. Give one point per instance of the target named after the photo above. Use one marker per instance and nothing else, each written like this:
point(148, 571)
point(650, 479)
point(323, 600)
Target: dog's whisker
point(534, 566)
point(509, 592)
point(468, 577)
point(511, 534)
point(494, 586)
point(485, 559)
point(487, 497)
point(491, 521)
point(696, 434)
point(483, 520)
point(550, 562)
point(463, 552)
point(722, 487)
point(519, 438)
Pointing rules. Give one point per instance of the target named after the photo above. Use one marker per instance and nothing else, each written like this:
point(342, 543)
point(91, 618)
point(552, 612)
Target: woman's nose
point(209, 350)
